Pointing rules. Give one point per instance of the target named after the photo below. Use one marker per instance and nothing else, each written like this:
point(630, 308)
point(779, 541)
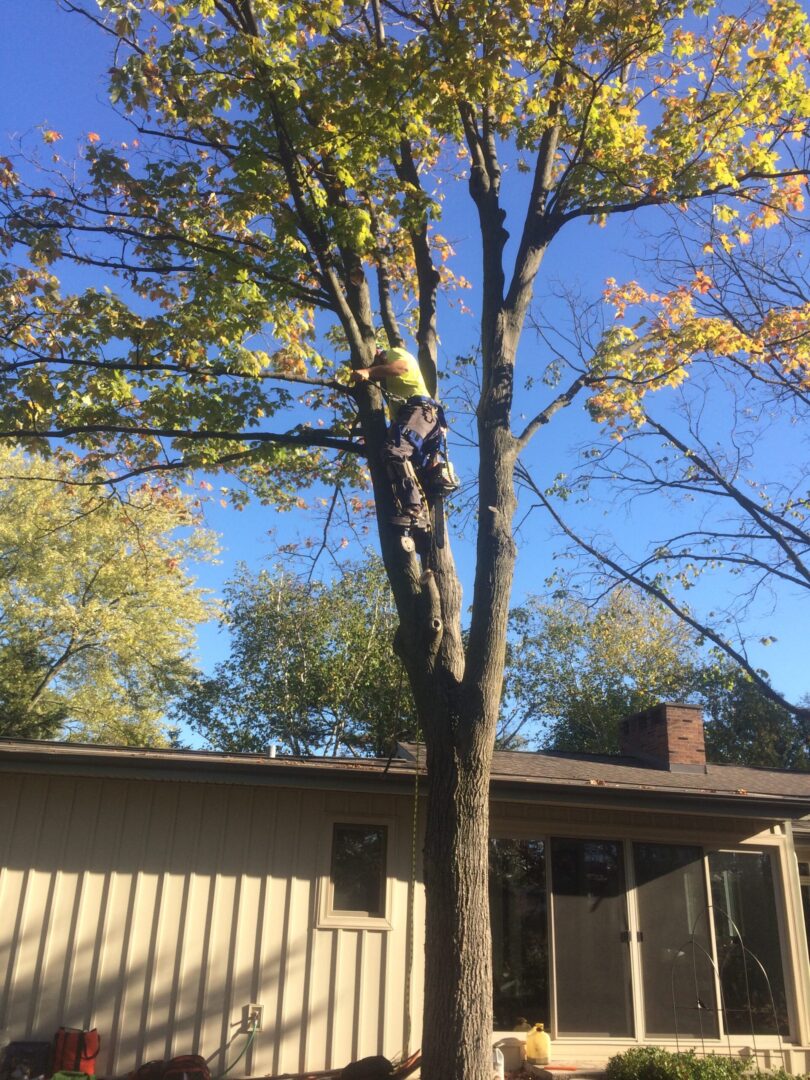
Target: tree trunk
point(460, 734)
point(457, 1034)
point(457, 694)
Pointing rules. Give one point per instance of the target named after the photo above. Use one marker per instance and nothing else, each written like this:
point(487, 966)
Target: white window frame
point(329, 918)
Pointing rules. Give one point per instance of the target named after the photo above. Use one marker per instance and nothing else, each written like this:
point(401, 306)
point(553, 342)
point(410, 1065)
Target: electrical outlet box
point(251, 1018)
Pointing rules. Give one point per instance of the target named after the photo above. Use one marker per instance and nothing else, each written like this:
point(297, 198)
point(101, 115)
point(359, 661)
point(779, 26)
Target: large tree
point(98, 610)
point(310, 667)
point(288, 165)
point(575, 669)
point(746, 727)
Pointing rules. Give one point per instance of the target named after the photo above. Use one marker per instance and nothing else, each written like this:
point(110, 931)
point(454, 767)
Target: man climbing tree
point(292, 160)
point(415, 450)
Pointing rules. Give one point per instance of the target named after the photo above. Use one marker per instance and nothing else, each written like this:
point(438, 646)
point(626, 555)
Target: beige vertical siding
point(155, 910)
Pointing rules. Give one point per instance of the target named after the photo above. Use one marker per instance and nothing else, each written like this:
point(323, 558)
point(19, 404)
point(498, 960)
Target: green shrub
point(653, 1063)
point(644, 1063)
point(716, 1067)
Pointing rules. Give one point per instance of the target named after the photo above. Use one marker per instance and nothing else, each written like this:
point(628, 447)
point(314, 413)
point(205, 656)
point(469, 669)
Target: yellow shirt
point(410, 383)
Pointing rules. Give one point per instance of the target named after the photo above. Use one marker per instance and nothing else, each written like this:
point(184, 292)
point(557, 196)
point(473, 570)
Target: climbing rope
point(411, 901)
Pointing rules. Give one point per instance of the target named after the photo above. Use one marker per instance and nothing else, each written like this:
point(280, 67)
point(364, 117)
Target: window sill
point(345, 920)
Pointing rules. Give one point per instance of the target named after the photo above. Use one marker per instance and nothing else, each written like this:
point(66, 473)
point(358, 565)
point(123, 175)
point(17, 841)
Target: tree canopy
point(283, 152)
point(98, 611)
point(574, 670)
point(311, 667)
point(747, 728)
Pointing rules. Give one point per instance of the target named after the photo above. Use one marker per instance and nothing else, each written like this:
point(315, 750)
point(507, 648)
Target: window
point(518, 914)
point(357, 875)
point(674, 940)
point(804, 885)
point(748, 951)
point(591, 938)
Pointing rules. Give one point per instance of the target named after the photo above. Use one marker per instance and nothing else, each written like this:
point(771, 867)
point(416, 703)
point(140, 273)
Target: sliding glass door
point(646, 954)
point(591, 938)
point(747, 933)
point(519, 917)
point(675, 945)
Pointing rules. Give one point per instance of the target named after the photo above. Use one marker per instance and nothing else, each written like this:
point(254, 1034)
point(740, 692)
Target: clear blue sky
point(52, 67)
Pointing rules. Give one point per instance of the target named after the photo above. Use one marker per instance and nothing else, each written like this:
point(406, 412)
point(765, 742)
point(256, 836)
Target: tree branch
point(313, 439)
point(597, 210)
point(537, 229)
point(389, 319)
point(542, 418)
point(769, 522)
point(426, 273)
point(33, 358)
point(653, 590)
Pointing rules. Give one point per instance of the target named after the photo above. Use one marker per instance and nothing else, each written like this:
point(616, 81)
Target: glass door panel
point(804, 884)
point(591, 938)
point(518, 914)
point(677, 972)
point(747, 933)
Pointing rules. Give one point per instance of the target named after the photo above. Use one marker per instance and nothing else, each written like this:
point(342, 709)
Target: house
point(642, 898)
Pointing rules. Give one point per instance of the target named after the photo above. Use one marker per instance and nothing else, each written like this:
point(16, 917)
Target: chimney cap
point(661, 708)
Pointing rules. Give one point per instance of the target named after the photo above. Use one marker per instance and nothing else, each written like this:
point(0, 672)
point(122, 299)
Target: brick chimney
point(667, 735)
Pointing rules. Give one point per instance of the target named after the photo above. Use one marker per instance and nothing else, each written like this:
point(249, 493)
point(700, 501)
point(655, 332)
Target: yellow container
point(538, 1046)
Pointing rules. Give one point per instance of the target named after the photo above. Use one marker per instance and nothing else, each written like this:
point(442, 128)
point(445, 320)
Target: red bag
point(75, 1050)
point(187, 1067)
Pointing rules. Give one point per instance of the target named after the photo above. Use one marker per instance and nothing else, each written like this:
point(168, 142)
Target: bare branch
point(653, 590)
point(768, 521)
point(543, 417)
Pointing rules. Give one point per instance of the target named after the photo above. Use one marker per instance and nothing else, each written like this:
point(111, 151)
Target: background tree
point(574, 669)
point(311, 667)
point(747, 728)
point(98, 611)
point(290, 159)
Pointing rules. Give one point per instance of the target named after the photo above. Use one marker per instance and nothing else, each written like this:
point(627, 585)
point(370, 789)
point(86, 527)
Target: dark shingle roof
point(558, 768)
point(551, 776)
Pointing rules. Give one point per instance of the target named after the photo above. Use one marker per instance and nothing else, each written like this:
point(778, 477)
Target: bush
point(653, 1063)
